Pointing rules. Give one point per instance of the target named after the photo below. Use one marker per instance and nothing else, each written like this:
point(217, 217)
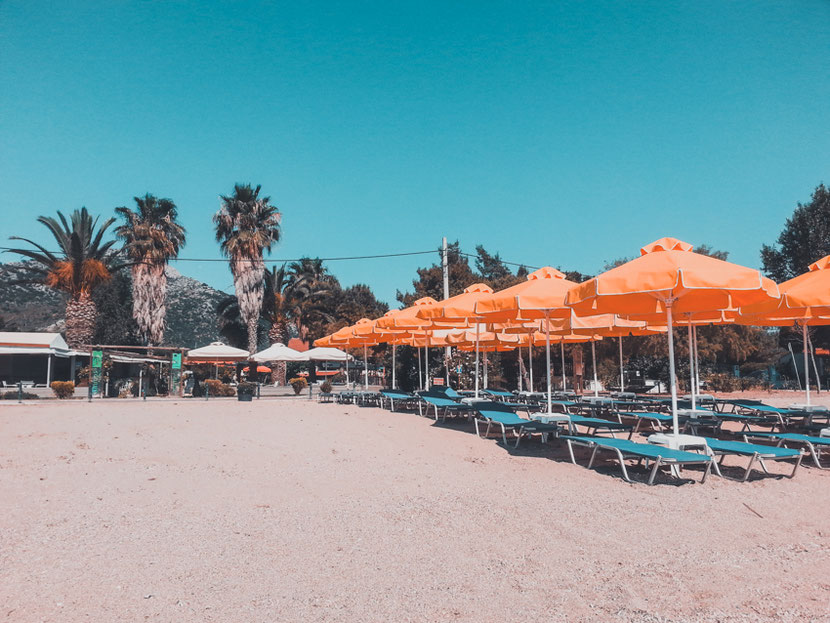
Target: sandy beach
point(287, 510)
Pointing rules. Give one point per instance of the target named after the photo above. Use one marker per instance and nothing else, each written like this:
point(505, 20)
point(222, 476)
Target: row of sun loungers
point(604, 420)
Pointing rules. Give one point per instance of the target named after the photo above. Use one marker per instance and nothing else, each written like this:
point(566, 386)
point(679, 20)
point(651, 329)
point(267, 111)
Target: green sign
point(97, 364)
point(175, 373)
point(177, 361)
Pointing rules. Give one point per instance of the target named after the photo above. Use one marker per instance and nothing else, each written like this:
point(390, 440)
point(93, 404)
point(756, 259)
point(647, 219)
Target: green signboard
point(97, 364)
point(175, 373)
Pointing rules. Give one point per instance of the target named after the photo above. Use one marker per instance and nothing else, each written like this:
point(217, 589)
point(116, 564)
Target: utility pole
point(446, 270)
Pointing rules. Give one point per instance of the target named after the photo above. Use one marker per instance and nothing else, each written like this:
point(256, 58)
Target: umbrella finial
point(666, 244)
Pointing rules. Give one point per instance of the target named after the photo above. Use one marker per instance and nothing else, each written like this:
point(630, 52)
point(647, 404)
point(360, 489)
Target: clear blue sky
point(566, 133)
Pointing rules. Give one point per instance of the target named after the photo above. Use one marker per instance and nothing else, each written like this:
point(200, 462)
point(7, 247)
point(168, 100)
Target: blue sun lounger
point(593, 424)
point(756, 452)
point(506, 420)
point(658, 421)
point(499, 394)
point(393, 394)
point(814, 445)
point(626, 449)
point(450, 407)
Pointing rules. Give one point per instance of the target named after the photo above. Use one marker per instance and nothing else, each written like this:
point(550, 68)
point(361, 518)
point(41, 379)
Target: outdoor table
point(679, 442)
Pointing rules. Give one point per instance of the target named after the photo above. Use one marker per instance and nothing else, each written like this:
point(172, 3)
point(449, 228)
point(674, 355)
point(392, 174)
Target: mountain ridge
point(191, 306)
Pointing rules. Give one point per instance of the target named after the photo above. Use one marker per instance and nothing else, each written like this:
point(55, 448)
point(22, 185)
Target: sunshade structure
point(805, 300)
point(217, 352)
point(347, 337)
point(407, 319)
point(541, 297)
point(669, 277)
point(279, 352)
point(260, 369)
point(459, 311)
point(323, 353)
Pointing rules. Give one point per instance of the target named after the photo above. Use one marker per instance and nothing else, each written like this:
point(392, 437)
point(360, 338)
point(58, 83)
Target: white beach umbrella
point(279, 352)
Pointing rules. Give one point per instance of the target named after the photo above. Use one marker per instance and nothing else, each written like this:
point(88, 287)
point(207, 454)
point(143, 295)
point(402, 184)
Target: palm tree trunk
point(277, 335)
point(80, 321)
point(157, 291)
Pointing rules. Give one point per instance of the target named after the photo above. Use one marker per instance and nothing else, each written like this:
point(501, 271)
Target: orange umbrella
point(263, 369)
point(542, 296)
point(458, 311)
point(407, 318)
point(805, 300)
point(668, 277)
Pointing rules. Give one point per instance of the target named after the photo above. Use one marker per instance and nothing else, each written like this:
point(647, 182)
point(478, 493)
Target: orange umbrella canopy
point(407, 318)
point(262, 369)
point(805, 298)
point(606, 325)
point(541, 296)
point(456, 310)
point(669, 272)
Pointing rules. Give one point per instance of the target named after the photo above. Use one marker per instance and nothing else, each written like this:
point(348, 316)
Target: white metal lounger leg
point(752, 460)
point(593, 456)
point(622, 466)
point(571, 451)
point(654, 469)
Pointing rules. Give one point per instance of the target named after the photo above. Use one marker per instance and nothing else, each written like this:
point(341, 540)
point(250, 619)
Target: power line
point(323, 259)
point(279, 260)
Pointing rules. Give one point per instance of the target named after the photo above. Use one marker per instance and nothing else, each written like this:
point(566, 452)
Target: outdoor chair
point(507, 420)
point(626, 449)
point(813, 445)
point(392, 395)
point(756, 453)
point(446, 404)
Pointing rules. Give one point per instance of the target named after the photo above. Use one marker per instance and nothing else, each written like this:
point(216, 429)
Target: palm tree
point(151, 237)
point(83, 263)
point(246, 226)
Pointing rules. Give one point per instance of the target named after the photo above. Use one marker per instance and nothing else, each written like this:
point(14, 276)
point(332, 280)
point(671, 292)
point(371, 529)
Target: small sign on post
point(97, 365)
point(175, 373)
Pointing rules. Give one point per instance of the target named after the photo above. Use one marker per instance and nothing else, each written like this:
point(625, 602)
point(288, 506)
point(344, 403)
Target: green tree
point(115, 323)
point(247, 225)
point(84, 262)
point(151, 237)
point(804, 239)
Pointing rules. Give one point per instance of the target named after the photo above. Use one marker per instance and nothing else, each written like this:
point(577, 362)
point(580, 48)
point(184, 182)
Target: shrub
point(218, 388)
point(721, 382)
point(338, 378)
point(246, 388)
point(325, 387)
point(63, 389)
point(13, 396)
point(299, 384)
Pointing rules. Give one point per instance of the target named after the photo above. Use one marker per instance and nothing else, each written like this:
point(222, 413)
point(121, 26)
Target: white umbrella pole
point(564, 376)
point(547, 356)
point(806, 363)
point(622, 371)
point(486, 368)
point(420, 375)
point(365, 368)
point(691, 363)
point(394, 347)
point(426, 366)
point(697, 362)
point(672, 380)
point(594, 362)
point(530, 359)
point(477, 330)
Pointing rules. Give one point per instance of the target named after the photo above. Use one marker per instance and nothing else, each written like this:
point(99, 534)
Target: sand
point(285, 510)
